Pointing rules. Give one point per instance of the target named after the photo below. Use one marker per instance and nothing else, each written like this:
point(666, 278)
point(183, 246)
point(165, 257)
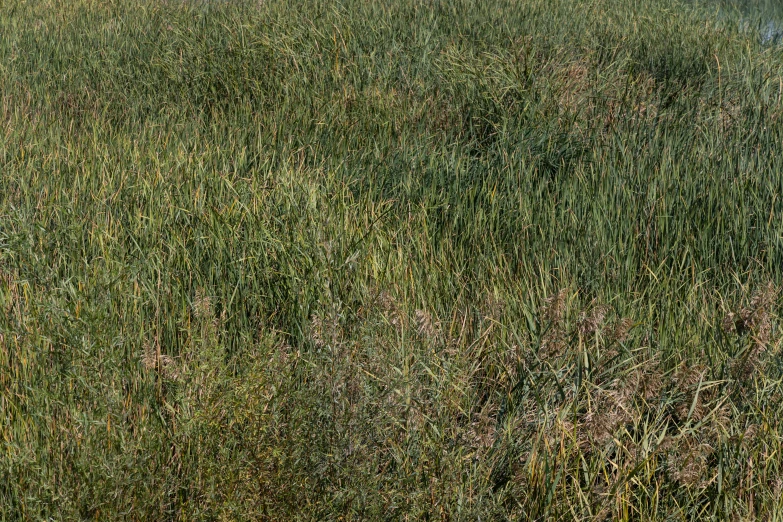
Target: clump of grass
point(388, 260)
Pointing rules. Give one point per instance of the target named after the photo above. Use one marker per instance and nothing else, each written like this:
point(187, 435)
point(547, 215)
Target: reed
point(390, 260)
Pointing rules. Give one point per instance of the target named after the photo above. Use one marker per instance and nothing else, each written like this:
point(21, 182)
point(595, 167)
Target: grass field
point(391, 260)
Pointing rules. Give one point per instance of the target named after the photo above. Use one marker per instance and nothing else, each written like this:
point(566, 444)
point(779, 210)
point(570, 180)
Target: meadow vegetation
point(390, 260)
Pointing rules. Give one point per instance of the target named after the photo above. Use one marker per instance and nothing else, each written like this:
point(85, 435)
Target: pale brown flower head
point(481, 431)
point(425, 324)
point(730, 323)
point(756, 317)
point(325, 331)
point(153, 360)
point(554, 307)
point(611, 409)
point(688, 462)
point(390, 310)
point(202, 305)
point(592, 321)
point(621, 329)
point(553, 344)
point(493, 306)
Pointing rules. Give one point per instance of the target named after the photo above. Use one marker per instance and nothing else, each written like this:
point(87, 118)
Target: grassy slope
point(388, 260)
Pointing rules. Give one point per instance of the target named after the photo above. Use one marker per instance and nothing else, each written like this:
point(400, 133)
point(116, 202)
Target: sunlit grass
point(507, 260)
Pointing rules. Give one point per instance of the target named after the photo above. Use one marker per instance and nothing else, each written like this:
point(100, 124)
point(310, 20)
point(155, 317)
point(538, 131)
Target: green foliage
point(389, 260)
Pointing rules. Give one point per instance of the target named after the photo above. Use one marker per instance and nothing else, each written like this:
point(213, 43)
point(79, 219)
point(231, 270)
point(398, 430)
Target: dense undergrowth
point(389, 260)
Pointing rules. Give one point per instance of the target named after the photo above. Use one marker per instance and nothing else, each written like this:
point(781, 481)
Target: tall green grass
point(389, 260)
